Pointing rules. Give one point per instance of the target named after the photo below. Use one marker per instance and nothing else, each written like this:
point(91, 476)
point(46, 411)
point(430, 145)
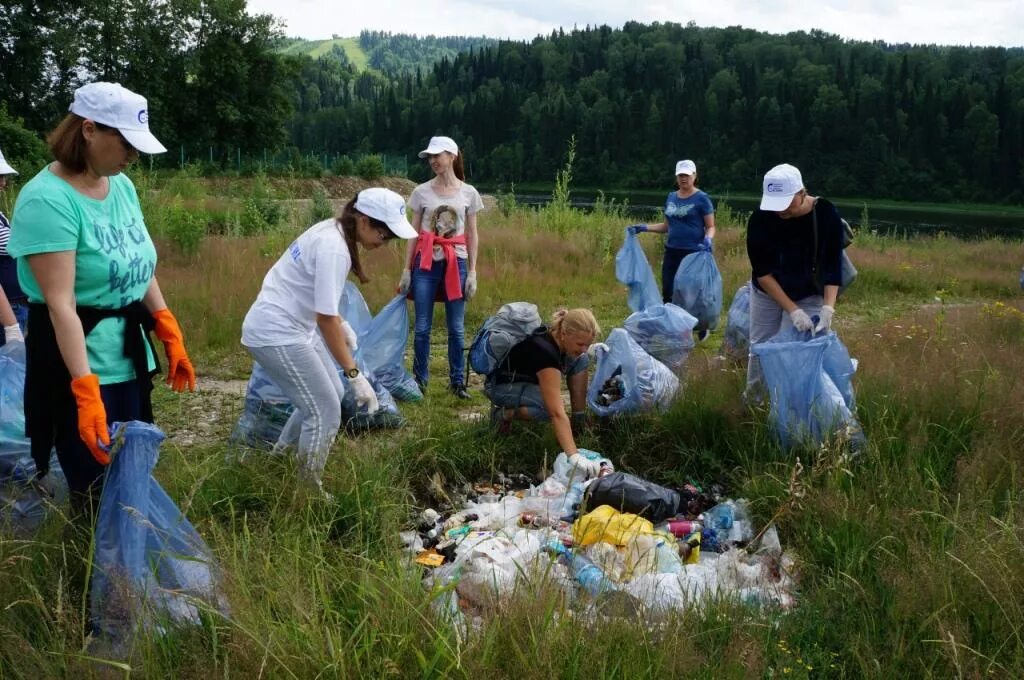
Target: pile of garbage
point(616, 545)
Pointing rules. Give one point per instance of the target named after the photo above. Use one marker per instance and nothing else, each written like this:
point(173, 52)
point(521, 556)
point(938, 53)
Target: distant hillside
point(394, 53)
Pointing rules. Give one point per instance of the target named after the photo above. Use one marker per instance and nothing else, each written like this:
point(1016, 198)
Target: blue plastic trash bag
point(736, 344)
point(151, 569)
point(264, 414)
point(697, 288)
point(353, 308)
point(355, 418)
point(665, 332)
point(809, 381)
point(628, 379)
point(24, 499)
point(382, 347)
point(1022, 278)
point(632, 269)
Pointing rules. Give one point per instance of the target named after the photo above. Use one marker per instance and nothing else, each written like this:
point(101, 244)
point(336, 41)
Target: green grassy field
point(911, 558)
point(318, 48)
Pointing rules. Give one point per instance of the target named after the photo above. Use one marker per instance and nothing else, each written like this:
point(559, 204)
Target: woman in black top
point(528, 383)
point(792, 280)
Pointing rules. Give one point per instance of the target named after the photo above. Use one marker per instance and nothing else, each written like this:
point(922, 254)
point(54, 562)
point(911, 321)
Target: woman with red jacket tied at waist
point(87, 264)
point(441, 263)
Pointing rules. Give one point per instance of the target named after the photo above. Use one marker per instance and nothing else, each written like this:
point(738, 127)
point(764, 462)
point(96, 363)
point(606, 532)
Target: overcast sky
point(949, 22)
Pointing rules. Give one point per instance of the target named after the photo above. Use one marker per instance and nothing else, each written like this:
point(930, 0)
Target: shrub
point(321, 208)
point(343, 166)
point(370, 166)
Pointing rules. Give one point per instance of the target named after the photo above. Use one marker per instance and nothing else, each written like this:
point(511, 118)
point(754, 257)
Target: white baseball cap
point(781, 184)
point(117, 107)
point(686, 168)
point(439, 144)
point(388, 207)
point(5, 168)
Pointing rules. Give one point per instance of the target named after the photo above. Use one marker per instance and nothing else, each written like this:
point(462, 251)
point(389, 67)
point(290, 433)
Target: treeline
point(207, 68)
point(861, 119)
point(400, 53)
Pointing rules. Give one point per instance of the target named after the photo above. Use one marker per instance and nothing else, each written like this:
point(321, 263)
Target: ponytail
point(577, 321)
point(458, 166)
point(347, 220)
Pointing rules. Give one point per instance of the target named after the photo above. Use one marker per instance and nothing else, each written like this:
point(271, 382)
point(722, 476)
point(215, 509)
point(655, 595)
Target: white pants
point(308, 377)
point(766, 319)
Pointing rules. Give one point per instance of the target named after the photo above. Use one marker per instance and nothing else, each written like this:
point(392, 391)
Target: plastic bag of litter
point(809, 381)
point(353, 308)
point(152, 569)
point(382, 347)
point(665, 331)
point(354, 417)
point(629, 493)
point(632, 269)
point(23, 498)
point(736, 344)
point(697, 288)
point(641, 383)
point(264, 413)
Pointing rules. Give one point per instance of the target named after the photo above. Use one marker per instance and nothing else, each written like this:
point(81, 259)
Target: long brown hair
point(458, 166)
point(347, 220)
point(67, 143)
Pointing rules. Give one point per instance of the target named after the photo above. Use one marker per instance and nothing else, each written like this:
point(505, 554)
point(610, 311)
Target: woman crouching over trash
point(87, 266)
point(527, 384)
point(294, 331)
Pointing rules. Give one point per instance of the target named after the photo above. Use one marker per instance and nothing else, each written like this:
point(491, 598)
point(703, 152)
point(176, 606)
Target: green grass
point(318, 48)
point(911, 558)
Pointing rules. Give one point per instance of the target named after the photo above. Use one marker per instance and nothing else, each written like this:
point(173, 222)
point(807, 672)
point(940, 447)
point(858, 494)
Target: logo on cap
point(773, 187)
point(143, 117)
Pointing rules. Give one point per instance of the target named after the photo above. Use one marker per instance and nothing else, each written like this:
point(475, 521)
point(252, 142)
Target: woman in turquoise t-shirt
point(87, 264)
point(689, 222)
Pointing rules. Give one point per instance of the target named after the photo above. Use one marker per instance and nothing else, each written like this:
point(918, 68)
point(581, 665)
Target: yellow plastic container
point(605, 523)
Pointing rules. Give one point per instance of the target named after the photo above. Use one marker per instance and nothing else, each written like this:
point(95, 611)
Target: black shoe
point(459, 390)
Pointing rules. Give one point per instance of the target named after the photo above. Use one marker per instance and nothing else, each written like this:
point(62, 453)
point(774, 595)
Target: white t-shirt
point(445, 215)
point(307, 280)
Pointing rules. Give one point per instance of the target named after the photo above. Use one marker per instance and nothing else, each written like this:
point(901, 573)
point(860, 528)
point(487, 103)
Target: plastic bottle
point(689, 549)
point(669, 558)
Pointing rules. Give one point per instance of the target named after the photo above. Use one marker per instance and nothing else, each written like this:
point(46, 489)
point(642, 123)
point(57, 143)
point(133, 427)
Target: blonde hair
point(577, 321)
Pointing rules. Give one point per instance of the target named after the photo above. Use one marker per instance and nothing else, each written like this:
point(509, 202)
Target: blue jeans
point(425, 285)
point(523, 394)
point(21, 314)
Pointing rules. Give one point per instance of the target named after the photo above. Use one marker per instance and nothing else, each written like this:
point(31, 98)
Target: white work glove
point(590, 468)
point(404, 282)
point(365, 396)
point(351, 339)
point(592, 350)
point(825, 318)
point(12, 333)
point(801, 321)
point(470, 284)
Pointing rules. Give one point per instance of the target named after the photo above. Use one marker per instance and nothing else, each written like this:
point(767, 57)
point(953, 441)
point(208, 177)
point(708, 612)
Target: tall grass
point(911, 557)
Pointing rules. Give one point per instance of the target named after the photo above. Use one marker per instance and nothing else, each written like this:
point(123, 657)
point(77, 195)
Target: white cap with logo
point(439, 144)
point(5, 168)
point(686, 168)
point(781, 184)
point(388, 207)
point(117, 107)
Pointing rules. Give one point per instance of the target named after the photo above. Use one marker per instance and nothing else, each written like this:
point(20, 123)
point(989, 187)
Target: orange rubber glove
point(92, 416)
point(180, 373)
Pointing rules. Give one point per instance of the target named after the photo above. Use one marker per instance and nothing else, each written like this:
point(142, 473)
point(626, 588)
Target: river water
point(908, 220)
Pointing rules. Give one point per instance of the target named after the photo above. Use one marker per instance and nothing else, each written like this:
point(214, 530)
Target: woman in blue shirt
point(689, 222)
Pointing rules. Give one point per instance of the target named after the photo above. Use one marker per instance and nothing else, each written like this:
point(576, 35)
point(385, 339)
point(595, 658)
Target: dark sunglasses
point(124, 142)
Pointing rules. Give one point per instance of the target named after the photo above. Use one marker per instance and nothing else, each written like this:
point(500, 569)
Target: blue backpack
point(510, 325)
